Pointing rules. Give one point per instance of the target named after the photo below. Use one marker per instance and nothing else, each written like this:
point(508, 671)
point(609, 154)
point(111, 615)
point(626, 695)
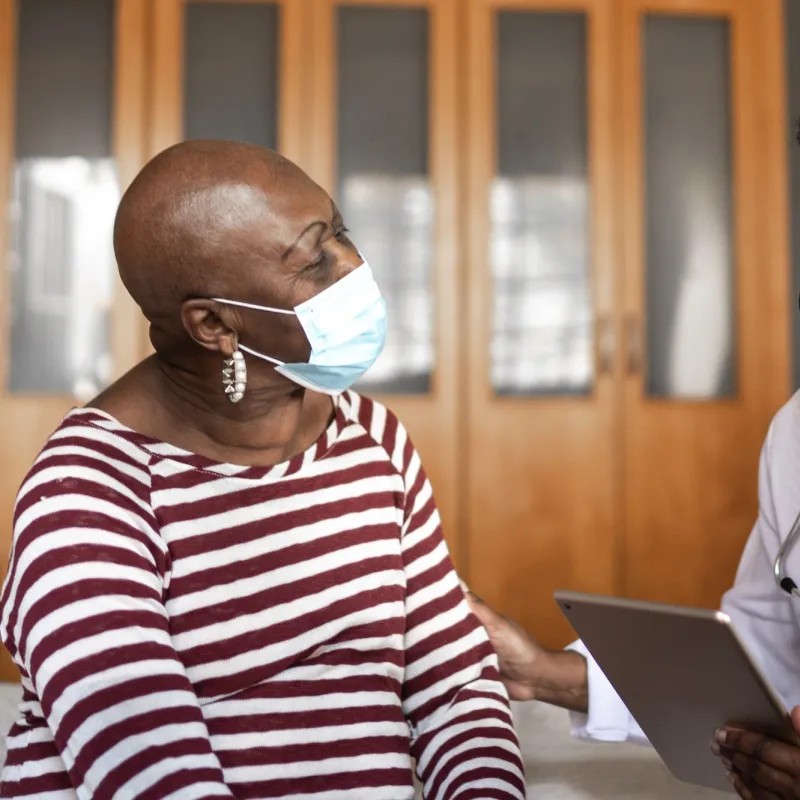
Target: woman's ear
point(211, 325)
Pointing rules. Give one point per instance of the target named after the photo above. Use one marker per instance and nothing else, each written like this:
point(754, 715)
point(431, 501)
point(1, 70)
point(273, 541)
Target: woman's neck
point(267, 427)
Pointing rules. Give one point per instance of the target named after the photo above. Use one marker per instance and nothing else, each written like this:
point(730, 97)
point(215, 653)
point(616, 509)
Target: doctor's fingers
point(763, 781)
point(740, 785)
point(771, 752)
point(748, 790)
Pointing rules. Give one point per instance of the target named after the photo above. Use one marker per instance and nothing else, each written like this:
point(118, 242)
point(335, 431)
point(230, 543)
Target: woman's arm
point(83, 617)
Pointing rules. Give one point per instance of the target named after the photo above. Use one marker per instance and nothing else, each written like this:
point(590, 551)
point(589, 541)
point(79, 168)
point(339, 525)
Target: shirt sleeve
point(463, 737)
point(83, 617)
point(765, 616)
point(608, 718)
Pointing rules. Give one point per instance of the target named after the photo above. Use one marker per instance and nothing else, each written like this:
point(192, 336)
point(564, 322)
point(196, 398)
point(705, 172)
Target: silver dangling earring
point(234, 377)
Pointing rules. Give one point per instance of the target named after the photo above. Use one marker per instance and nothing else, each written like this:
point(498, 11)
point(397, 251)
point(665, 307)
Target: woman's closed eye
point(319, 262)
point(341, 235)
point(322, 260)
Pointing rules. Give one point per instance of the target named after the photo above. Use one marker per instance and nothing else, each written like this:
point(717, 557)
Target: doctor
point(764, 605)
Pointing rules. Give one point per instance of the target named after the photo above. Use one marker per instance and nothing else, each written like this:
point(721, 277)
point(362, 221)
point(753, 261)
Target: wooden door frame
point(130, 147)
point(775, 235)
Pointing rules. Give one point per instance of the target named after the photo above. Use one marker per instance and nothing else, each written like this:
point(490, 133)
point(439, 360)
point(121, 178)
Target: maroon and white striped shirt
point(189, 629)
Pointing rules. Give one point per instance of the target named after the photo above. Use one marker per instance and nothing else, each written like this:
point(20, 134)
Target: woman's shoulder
point(377, 419)
point(90, 432)
point(92, 453)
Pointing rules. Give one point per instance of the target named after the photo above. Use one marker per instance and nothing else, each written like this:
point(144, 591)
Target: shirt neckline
point(161, 451)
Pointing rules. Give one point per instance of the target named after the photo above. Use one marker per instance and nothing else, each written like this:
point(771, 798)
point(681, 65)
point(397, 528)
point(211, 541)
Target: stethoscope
point(781, 578)
point(779, 570)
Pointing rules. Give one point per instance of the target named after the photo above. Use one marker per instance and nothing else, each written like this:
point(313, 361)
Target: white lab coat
point(767, 619)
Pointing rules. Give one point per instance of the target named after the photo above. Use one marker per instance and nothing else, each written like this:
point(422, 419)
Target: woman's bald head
point(209, 219)
point(199, 216)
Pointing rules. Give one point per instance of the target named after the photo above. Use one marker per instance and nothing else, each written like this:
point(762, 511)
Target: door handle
point(605, 345)
point(634, 345)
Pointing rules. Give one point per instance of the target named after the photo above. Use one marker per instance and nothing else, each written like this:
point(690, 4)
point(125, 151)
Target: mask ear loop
point(262, 356)
point(253, 306)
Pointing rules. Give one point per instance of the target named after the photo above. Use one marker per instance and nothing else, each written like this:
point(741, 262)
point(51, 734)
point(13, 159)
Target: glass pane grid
point(385, 194)
point(542, 330)
point(64, 194)
point(391, 219)
point(689, 271)
point(542, 314)
point(62, 274)
point(231, 72)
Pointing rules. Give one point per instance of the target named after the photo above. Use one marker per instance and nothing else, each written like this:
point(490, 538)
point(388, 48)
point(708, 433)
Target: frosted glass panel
point(385, 194)
point(231, 72)
point(539, 208)
point(690, 283)
point(64, 195)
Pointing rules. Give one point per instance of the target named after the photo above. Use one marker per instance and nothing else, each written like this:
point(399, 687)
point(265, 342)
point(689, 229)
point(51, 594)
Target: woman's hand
point(528, 671)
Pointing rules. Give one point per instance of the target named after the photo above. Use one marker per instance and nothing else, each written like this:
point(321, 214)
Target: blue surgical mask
point(346, 328)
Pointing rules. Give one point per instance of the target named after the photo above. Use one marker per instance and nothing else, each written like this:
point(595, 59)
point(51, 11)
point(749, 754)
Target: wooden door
point(385, 144)
point(539, 334)
point(704, 288)
point(72, 86)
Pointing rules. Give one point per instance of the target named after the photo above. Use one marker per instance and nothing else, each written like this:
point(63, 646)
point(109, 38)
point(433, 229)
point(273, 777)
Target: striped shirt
point(191, 629)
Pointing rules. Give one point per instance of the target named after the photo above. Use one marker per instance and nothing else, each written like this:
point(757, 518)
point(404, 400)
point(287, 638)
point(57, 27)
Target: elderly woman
point(228, 577)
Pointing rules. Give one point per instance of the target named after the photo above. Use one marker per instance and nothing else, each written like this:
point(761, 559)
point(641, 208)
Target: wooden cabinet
point(638, 477)
point(577, 210)
point(623, 361)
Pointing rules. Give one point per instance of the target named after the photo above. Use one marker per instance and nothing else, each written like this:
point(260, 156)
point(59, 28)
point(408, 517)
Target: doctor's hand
point(760, 768)
point(528, 671)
